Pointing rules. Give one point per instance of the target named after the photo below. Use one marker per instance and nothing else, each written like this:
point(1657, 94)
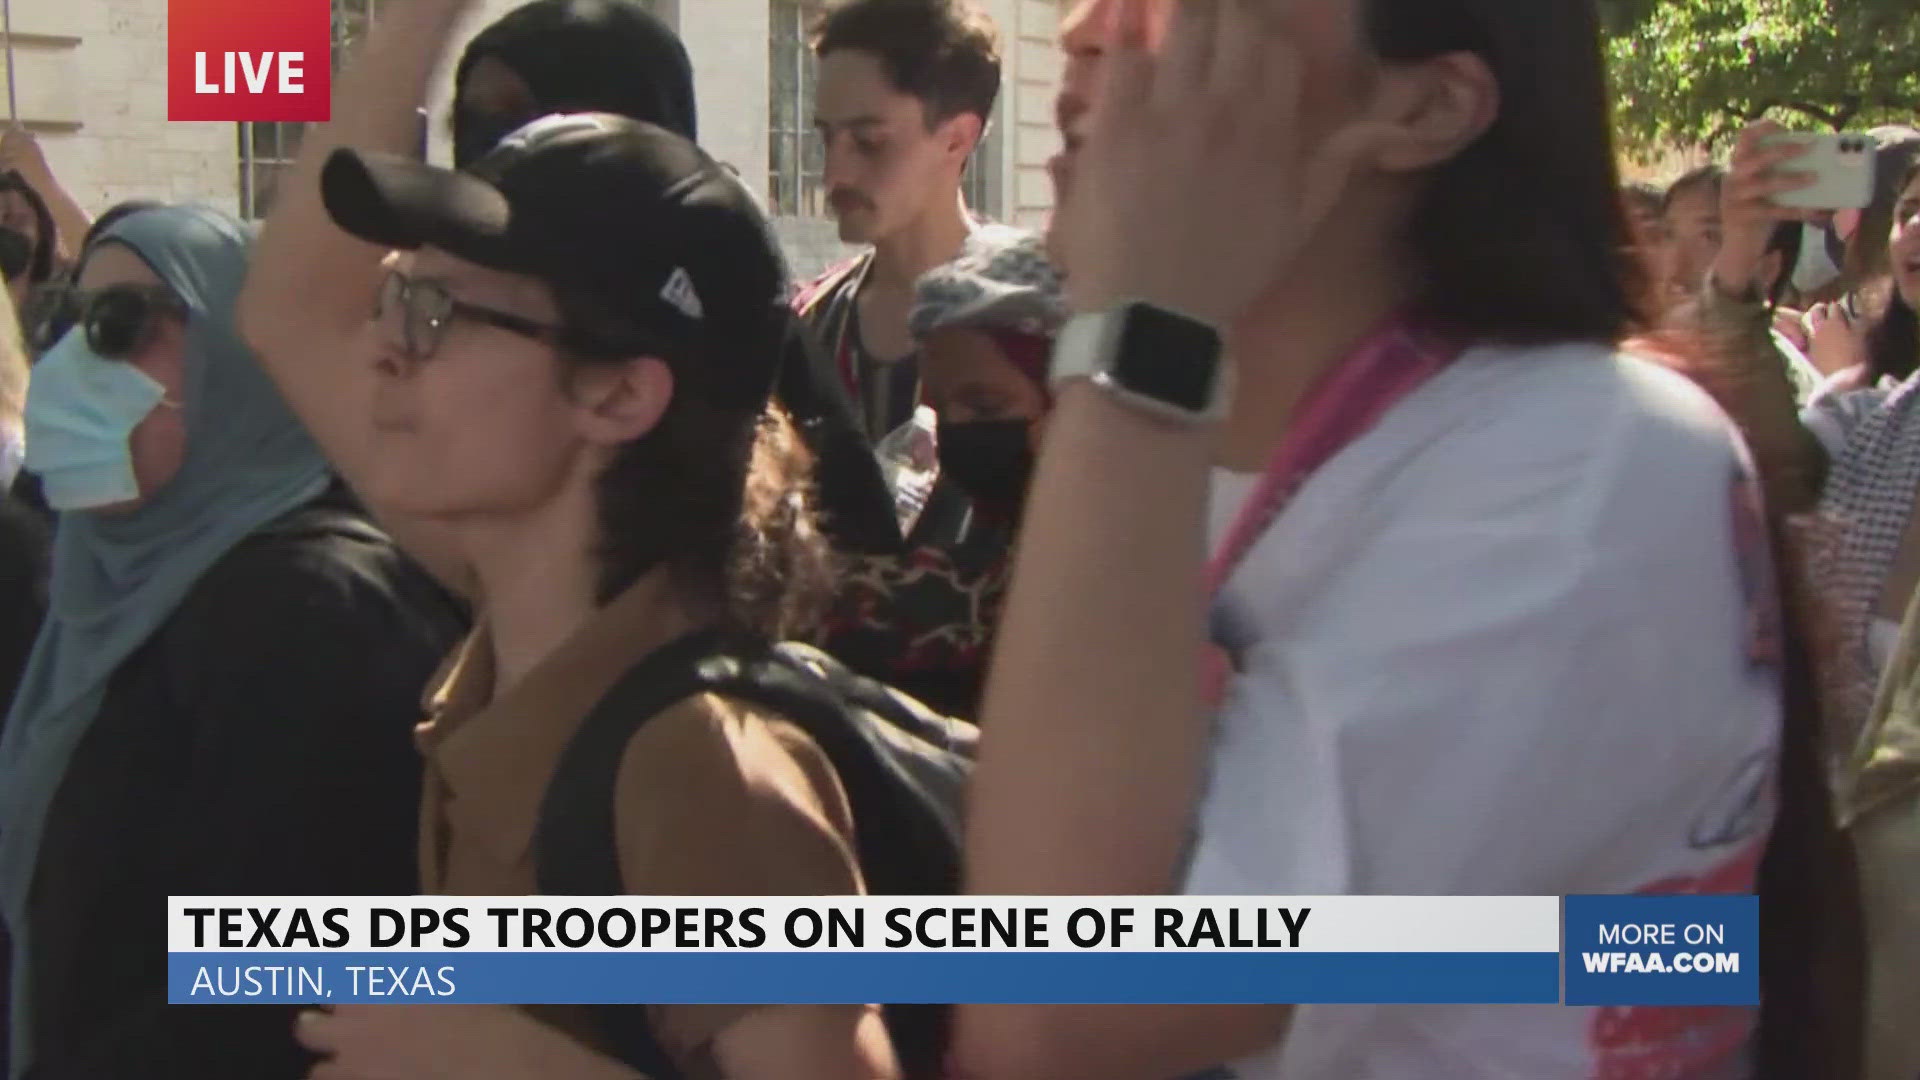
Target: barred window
point(796, 160)
point(266, 151)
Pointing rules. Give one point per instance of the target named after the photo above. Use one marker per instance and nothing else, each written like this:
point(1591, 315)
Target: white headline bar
point(442, 924)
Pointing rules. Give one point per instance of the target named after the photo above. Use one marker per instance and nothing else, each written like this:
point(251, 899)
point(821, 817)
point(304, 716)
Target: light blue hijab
point(117, 577)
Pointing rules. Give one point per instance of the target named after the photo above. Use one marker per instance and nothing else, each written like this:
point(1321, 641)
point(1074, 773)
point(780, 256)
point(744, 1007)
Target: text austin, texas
point(309, 982)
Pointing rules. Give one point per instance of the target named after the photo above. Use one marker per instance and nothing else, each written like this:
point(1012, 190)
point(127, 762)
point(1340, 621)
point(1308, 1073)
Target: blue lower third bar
point(841, 978)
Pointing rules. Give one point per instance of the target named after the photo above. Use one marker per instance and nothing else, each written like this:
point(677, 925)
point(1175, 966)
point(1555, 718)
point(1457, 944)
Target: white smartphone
point(1842, 167)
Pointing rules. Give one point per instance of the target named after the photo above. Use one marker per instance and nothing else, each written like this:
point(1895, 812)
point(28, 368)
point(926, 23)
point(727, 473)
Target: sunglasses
point(119, 321)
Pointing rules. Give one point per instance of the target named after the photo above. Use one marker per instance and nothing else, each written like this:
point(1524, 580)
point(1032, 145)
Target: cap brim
point(399, 202)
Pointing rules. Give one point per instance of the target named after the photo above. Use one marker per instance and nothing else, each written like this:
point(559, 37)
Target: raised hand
point(1839, 341)
point(440, 1042)
point(20, 152)
point(1758, 174)
point(1196, 188)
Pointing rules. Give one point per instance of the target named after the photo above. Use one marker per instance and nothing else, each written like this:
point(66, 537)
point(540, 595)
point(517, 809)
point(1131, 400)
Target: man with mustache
point(905, 91)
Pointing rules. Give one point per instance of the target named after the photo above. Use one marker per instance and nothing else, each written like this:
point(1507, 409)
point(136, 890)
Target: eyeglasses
point(427, 308)
point(119, 321)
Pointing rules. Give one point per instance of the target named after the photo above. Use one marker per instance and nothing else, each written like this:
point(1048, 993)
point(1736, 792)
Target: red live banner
point(249, 60)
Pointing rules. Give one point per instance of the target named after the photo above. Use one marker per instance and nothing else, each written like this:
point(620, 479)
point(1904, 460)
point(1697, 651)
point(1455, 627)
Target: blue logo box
point(1662, 950)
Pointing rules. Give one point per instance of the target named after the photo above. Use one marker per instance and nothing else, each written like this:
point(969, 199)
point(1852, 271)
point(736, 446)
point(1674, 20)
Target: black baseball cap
point(649, 246)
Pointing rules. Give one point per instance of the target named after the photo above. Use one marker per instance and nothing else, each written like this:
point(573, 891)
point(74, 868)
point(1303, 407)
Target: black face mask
point(992, 462)
point(16, 252)
point(476, 133)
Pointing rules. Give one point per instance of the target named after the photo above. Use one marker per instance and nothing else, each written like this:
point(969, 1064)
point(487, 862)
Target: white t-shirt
point(1514, 640)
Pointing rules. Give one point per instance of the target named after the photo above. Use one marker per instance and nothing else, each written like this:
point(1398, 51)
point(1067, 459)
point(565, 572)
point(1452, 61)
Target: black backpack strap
point(906, 845)
point(576, 852)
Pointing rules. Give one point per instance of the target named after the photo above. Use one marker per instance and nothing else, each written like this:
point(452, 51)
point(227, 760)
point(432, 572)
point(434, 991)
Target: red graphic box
point(258, 60)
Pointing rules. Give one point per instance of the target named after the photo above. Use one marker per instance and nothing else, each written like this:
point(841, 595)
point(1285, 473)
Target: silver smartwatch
point(1154, 360)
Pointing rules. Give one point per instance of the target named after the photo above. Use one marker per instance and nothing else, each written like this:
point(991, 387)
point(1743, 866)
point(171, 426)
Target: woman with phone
point(1846, 470)
point(1865, 540)
point(1776, 183)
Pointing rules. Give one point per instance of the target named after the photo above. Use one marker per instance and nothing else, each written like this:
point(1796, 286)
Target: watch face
point(1167, 357)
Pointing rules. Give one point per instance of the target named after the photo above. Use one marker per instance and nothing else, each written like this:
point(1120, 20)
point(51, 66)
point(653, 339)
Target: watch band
point(1082, 346)
point(1089, 347)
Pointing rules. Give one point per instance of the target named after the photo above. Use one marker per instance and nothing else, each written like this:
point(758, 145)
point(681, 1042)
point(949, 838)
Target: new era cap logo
point(249, 60)
point(679, 292)
point(551, 126)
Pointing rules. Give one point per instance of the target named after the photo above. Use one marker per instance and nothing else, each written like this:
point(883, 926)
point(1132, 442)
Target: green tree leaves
point(1693, 71)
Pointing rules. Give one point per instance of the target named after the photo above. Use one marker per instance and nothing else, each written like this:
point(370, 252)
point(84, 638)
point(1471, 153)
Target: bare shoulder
point(718, 796)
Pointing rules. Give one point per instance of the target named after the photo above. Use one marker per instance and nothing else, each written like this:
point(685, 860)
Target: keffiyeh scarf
point(1847, 547)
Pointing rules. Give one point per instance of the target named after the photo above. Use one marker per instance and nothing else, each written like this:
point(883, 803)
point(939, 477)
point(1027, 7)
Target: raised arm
point(1747, 373)
point(311, 285)
point(21, 152)
point(1096, 729)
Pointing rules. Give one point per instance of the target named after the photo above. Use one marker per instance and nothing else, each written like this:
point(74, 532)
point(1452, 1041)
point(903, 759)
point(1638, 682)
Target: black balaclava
point(38, 261)
point(580, 56)
point(16, 253)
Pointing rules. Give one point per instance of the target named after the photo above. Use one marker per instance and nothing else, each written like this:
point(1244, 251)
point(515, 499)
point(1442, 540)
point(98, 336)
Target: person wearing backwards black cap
point(563, 387)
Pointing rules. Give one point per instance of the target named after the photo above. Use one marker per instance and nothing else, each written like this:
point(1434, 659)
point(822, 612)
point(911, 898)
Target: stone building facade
point(89, 76)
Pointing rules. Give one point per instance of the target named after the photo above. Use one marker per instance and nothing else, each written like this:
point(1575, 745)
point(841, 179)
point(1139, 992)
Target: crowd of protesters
point(1357, 488)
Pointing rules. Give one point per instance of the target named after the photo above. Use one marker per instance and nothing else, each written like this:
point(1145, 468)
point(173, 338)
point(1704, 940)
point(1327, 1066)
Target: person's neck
point(935, 238)
point(538, 577)
point(1294, 334)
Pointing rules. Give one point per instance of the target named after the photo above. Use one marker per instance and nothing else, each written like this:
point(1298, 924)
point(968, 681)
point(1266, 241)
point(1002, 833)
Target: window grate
point(266, 151)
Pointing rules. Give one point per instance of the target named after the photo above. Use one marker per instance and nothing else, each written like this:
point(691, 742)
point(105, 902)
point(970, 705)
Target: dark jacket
point(260, 744)
point(860, 512)
point(856, 508)
point(25, 547)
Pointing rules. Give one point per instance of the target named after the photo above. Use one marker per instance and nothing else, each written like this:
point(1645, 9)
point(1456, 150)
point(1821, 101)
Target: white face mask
point(81, 412)
point(1816, 268)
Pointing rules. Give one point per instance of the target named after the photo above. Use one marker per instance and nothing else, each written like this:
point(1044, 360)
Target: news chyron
point(249, 60)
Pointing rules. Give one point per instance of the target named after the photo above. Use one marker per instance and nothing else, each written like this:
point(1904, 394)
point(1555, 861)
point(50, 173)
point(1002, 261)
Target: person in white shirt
point(1516, 635)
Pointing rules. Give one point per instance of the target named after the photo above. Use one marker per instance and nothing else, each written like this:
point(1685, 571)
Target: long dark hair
point(720, 491)
point(726, 502)
point(1867, 257)
point(1523, 235)
point(1893, 341)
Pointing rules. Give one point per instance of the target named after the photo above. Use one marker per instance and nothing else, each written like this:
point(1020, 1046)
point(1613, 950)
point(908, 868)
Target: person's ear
point(617, 403)
point(960, 135)
point(1432, 110)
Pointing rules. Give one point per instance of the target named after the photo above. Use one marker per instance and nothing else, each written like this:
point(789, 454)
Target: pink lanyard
point(1342, 405)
